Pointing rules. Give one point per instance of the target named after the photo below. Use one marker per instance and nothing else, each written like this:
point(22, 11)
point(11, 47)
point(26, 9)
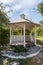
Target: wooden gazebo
point(22, 24)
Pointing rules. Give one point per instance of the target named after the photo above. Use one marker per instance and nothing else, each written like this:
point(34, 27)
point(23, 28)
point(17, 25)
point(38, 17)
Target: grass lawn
point(40, 40)
point(21, 61)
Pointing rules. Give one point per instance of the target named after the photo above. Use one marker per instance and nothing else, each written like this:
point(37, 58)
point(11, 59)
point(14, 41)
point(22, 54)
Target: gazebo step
point(16, 44)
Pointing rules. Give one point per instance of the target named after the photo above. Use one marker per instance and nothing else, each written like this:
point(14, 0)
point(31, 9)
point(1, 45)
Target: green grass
point(40, 40)
point(21, 61)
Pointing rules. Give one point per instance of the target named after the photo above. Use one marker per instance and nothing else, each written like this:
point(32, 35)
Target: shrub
point(39, 42)
point(4, 36)
point(19, 49)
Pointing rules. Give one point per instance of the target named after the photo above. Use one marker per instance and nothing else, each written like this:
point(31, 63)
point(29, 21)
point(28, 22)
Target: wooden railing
point(20, 38)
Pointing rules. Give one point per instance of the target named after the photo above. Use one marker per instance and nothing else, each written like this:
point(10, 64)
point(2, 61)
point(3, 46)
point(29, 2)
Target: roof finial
point(22, 16)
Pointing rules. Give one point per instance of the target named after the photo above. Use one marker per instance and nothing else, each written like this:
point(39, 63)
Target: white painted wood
point(27, 38)
point(17, 39)
point(24, 35)
point(21, 31)
point(35, 35)
point(31, 37)
point(10, 36)
point(20, 38)
point(12, 32)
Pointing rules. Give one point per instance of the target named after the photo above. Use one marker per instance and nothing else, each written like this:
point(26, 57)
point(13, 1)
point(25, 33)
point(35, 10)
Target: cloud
point(6, 1)
point(24, 6)
point(16, 7)
point(18, 4)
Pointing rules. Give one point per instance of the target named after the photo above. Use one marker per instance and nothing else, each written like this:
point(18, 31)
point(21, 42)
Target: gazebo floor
point(32, 51)
point(28, 44)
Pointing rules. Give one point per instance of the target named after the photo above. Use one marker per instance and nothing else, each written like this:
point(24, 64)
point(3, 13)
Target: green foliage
point(4, 31)
point(3, 16)
point(19, 49)
point(17, 32)
point(40, 8)
point(4, 36)
point(27, 32)
point(40, 42)
point(39, 30)
point(41, 22)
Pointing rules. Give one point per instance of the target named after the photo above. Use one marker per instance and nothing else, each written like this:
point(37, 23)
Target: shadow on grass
point(40, 42)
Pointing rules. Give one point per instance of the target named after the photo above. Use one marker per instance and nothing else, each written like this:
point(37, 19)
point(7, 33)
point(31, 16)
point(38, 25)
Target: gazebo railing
point(27, 37)
point(17, 38)
point(20, 38)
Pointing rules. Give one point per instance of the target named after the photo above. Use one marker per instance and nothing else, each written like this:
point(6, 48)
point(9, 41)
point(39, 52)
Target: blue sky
point(28, 7)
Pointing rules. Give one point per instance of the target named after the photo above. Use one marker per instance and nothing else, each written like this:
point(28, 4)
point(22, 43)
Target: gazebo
point(22, 24)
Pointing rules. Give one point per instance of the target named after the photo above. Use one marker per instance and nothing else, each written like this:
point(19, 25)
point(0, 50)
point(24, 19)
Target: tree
point(3, 16)
point(40, 29)
point(4, 31)
point(4, 19)
point(40, 8)
point(41, 25)
point(41, 22)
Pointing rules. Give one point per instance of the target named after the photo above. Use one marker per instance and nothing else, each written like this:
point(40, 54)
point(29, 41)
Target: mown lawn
point(40, 40)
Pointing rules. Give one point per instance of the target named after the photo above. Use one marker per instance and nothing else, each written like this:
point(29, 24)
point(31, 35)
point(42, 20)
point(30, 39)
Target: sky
point(27, 7)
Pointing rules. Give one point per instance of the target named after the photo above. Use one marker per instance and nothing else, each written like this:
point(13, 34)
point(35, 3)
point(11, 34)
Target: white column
point(10, 35)
point(12, 32)
point(31, 36)
point(21, 31)
point(35, 35)
point(24, 35)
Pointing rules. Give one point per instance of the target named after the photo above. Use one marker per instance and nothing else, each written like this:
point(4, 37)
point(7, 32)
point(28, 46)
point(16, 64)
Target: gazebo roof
point(19, 22)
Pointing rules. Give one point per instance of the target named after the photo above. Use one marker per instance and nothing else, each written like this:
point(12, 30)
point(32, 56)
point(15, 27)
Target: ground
point(37, 60)
point(40, 38)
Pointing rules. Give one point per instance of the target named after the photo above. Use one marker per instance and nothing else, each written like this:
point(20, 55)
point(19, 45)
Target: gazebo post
point(24, 35)
point(31, 36)
point(21, 31)
point(12, 32)
point(10, 35)
point(35, 35)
